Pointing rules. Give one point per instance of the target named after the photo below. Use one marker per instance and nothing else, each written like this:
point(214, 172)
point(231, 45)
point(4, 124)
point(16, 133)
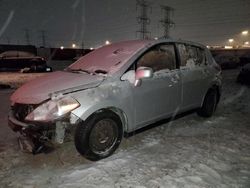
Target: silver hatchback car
point(113, 90)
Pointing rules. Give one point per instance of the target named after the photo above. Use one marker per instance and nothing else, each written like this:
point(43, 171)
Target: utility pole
point(167, 22)
point(143, 19)
point(27, 36)
point(43, 37)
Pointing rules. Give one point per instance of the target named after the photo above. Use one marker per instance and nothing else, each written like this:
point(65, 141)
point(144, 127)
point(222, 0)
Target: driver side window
point(161, 57)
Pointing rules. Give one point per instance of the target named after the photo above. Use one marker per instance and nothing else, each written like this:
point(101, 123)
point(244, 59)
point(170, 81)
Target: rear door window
point(191, 56)
point(183, 54)
point(201, 57)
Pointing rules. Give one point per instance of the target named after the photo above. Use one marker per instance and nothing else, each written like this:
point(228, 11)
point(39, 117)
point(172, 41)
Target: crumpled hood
point(40, 89)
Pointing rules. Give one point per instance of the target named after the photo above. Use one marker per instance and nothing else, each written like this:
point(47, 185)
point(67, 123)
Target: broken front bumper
point(43, 133)
point(17, 125)
point(34, 137)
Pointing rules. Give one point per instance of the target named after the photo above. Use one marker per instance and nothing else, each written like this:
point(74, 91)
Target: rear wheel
point(209, 104)
point(99, 136)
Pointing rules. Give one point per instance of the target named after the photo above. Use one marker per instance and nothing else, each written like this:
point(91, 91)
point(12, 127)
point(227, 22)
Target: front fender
point(105, 97)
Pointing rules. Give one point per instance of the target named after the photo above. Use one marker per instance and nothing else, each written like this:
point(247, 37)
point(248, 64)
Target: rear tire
point(99, 136)
point(209, 104)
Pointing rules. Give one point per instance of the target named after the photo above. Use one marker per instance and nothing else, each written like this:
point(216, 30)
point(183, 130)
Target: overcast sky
point(210, 22)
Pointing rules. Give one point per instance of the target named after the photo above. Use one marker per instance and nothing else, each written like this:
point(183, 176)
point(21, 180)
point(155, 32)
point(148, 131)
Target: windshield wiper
point(79, 70)
point(100, 71)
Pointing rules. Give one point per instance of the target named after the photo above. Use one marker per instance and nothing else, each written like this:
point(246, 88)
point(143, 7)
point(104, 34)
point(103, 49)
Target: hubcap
point(103, 136)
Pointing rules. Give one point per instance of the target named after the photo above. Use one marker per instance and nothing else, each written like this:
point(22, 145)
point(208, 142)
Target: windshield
point(108, 59)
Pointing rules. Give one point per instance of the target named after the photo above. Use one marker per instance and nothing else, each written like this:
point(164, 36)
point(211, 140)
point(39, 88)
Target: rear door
point(159, 96)
point(193, 73)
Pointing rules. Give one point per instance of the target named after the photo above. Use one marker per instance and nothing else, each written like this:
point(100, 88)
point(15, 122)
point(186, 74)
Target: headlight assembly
point(53, 109)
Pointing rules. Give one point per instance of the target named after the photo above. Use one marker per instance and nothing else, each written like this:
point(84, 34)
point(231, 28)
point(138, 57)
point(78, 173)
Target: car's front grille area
point(22, 110)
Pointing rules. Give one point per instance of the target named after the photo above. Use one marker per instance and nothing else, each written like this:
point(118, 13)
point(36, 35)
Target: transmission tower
point(167, 22)
point(27, 36)
point(143, 19)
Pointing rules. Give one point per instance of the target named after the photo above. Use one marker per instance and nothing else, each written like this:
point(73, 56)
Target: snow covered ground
point(188, 152)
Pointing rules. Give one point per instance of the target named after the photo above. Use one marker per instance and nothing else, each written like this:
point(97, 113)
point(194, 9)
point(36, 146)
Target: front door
point(159, 96)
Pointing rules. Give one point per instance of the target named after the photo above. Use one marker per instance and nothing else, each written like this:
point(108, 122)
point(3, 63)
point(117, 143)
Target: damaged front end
point(43, 126)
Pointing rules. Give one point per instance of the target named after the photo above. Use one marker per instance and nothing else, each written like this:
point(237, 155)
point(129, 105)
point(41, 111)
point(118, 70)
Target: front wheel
point(209, 104)
point(99, 136)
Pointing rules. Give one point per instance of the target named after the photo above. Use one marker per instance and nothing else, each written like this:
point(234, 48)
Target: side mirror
point(141, 73)
point(135, 78)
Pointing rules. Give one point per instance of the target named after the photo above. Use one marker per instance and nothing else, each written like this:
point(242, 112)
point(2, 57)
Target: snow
point(190, 152)
point(39, 89)
point(110, 57)
point(130, 76)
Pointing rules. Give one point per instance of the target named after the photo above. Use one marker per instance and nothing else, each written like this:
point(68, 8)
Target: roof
point(110, 58)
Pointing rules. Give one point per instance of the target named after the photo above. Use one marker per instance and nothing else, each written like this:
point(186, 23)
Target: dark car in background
point(227, 61)
point(25, 61)
point(244, 75)
point(244, 60)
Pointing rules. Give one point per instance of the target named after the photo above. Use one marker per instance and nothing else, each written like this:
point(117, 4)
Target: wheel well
point(213, 87)
point(118, 112)
point(216, 87)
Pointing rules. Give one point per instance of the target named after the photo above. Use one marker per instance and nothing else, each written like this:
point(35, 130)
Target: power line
point(82, 45)
point(143, 19)
point(166, 22)
point(8, 40)
point(215, 22)
point(43, 38)
point(27, 36)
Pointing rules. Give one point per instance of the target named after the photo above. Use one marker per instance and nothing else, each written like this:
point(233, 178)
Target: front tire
point(99, 136)
point(209, 104)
